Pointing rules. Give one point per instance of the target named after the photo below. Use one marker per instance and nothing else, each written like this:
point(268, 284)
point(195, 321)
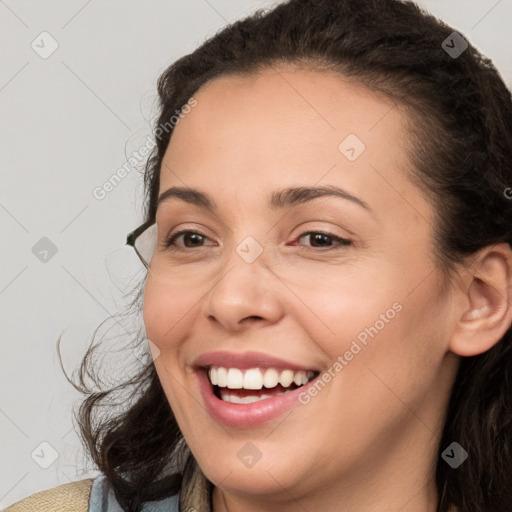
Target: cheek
point(167, 312)
point(167, 316)
point(401, 361)
point(378, 320)
point(344, 304)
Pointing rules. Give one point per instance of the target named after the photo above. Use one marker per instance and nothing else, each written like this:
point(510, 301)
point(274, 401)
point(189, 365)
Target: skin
point(369, 440)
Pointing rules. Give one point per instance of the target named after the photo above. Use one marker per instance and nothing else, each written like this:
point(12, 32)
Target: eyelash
point(342, 241)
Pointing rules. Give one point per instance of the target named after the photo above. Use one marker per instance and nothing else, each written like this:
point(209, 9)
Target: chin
point(268, 476)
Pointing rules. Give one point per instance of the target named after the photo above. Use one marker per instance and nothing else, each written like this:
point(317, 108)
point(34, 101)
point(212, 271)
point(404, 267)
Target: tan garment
point(73, 497)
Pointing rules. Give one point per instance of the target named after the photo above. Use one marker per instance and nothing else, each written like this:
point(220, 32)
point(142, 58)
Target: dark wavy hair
point(459, 114)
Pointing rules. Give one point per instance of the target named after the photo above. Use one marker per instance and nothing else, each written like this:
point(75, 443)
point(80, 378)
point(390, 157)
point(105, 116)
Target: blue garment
point(102, 499)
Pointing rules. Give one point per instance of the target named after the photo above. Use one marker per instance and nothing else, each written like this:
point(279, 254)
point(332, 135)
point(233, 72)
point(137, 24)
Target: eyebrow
point(283, 198)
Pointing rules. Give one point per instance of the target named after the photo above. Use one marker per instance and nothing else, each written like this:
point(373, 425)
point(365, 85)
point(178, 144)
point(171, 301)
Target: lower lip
point(247, 415)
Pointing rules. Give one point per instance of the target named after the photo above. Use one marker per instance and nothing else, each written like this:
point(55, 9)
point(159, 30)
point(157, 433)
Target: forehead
point(285, 109)
point(285, 126)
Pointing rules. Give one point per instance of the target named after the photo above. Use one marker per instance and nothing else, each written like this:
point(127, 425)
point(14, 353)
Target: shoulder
point(89, 495)
point(72, 497)
point(103, 499)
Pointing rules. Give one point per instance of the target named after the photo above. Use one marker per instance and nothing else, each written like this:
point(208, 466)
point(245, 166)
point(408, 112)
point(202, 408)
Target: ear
point(485, 314)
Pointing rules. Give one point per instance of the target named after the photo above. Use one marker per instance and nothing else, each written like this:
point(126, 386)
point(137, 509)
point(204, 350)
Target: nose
point(244, 294)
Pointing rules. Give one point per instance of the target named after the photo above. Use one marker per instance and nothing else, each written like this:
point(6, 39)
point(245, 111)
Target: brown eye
point(319, 239)
point(191, 239)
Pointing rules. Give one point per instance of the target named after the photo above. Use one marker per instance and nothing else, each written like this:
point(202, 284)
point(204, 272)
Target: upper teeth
point(256, 378)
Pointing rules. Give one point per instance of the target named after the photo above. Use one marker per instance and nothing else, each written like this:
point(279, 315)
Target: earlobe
point(487, 312)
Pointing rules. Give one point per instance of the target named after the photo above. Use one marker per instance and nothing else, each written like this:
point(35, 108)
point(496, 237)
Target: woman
point(327, 300)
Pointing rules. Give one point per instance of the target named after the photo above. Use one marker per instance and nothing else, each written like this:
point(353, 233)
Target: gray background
point(68, 122)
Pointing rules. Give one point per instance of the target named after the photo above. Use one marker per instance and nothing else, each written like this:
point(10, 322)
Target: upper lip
point(246, 360)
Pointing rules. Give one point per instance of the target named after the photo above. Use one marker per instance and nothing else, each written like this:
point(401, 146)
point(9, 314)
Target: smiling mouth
point(250, 385)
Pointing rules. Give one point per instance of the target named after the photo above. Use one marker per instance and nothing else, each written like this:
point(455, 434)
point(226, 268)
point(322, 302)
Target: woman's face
point(368, 315)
